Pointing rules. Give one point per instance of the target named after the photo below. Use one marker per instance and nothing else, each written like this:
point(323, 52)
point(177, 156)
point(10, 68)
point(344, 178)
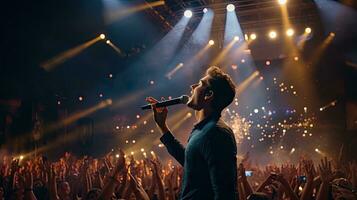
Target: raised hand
point(325, 170)
point(160, 114)
point(139, 191)
point(309, 170)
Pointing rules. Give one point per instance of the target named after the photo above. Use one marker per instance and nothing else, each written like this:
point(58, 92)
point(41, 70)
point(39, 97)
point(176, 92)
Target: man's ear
point(209, 95)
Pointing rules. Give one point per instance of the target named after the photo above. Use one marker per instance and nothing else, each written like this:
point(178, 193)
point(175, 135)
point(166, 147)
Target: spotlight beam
point(63, 57)
point(114, 15)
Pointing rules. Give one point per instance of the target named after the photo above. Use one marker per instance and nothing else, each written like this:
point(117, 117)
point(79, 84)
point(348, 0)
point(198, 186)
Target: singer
point(209, 159)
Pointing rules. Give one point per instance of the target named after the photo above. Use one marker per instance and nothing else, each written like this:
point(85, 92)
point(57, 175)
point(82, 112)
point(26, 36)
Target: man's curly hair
point(222, 86)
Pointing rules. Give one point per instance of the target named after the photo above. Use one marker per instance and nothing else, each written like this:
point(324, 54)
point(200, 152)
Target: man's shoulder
point(219, 129)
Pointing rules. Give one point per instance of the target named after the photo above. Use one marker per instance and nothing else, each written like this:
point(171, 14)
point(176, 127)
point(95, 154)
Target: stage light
point(332, 34)
point(80, 98)
point(21, 157)
point(211, 42)
point(267, 62)
point(102, 36)
point(236, 38)
point(117, 155)
point(290, 32)
point(188, 13)
point(243, 61)
point(272, 34)
point(246, 37)
point(59, 102)
point(205, 10)
point(132, 153)
point(110, 75)
point(282, 2)
point(308, 30)
point(108, 42)
point(253, 36)
point(230, 7)
point(317, 150)
point(296, 59)
point(142, 149)
point(100, 95)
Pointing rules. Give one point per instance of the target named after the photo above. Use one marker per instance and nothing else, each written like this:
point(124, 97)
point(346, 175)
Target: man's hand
point(325, 170)
point(160, 114)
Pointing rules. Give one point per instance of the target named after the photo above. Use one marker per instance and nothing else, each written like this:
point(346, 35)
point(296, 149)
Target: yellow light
point(308, 30)
point(142, 149)
point(332, 34)
point(21, 157)
point(211, 42)
point(253, 36)
point(102, 36)
point(290, 32)
point(296, 58)
point(272, 34)
point(317, 150)
point(282, 2)
point(132, 153)
point(152, 152)
point(117, 156)
point(236, 38)
point(108, 42)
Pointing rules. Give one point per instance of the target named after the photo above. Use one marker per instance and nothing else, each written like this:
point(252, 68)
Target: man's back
point(209, 162)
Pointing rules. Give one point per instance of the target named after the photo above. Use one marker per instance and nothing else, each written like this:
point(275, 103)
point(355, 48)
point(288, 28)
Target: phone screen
point(248, 173)
point(302, 179)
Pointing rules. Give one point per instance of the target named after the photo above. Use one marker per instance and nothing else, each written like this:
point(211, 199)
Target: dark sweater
point(209, 160)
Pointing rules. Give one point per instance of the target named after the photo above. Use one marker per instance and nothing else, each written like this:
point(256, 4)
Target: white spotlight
point(188, 13)
point(230, 7)
point(236, 38)
point(282, 2)
point(290, 32)
point(211, 42)
point(205, 10)
point(272, 34)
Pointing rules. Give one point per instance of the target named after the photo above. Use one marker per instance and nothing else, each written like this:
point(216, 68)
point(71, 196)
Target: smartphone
point(248, 173)
point(302, 179)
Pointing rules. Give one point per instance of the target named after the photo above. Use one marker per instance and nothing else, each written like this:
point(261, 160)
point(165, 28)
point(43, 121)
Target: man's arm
point(220, 151)
point(174, 147)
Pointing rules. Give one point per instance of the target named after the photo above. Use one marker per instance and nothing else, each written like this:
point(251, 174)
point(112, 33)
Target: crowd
point(120, 176)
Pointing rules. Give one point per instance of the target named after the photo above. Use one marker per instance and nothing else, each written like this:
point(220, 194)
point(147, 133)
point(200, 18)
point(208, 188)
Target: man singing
point(209, 159)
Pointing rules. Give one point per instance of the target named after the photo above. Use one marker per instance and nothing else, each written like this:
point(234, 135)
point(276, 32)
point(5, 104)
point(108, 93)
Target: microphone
point(180, 100)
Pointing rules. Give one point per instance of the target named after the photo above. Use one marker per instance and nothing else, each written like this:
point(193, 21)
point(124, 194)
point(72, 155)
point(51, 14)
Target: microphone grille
point(184, 99)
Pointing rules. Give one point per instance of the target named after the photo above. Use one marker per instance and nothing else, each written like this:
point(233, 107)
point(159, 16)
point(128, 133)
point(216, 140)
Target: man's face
point(197, 100)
